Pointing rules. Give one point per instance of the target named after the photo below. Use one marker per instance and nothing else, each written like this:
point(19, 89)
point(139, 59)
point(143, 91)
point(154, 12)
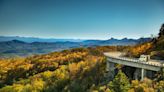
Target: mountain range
point(35, 39)
point(22, 46)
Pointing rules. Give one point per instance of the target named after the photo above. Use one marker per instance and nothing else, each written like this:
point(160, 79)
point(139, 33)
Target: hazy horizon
point(82, 19)
point(71, 38)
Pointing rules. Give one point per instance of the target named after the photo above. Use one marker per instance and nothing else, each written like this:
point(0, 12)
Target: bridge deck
point(119, 55)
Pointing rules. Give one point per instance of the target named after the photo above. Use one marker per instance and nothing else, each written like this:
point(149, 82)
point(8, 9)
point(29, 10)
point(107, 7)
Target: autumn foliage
point(75, 70)
point(68, 70)
point(136, 51)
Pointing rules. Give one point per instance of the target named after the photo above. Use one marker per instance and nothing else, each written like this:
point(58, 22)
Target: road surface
point(120, 55)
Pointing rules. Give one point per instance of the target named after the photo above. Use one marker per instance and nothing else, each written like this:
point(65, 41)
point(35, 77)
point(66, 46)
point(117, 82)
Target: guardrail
point(138, 61)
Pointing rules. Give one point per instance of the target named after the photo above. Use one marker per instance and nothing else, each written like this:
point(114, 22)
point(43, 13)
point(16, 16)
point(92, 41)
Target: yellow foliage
point(142, 86)
point(18, 88)
point(37, 85)
point(47, 74)
point(136, 51)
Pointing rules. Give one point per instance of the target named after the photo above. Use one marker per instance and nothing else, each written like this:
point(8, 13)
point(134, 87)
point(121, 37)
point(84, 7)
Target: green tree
point(120, 83)
point(160, 86)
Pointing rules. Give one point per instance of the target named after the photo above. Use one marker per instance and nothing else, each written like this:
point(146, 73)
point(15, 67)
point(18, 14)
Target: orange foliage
point(136, 51)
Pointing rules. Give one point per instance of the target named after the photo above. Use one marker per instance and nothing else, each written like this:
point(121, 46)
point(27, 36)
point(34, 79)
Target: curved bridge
point(117, 58)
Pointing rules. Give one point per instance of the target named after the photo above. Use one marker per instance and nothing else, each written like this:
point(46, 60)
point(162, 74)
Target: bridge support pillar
point(139, 74)
point(136, 74)
point(110, 68)
point(143, 74)
point(107, 66)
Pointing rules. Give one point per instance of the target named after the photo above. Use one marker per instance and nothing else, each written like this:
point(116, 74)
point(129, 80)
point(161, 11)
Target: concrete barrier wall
point(134, 64)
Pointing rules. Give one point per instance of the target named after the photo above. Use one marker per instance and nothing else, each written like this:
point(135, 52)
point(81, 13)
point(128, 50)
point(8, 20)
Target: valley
point(14, 47)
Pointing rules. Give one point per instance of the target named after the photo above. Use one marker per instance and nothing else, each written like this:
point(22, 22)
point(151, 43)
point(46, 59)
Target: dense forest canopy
point(79, 70)
point(75, 70)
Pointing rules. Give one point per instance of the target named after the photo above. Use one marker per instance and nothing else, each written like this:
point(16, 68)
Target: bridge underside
point(132, 72)
point(137, 73)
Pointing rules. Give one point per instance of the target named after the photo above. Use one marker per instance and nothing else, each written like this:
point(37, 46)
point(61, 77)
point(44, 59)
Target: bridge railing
point(138, 61)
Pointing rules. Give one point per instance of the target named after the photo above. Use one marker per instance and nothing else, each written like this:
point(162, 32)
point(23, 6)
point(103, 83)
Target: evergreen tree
point(161, 33)
point(120, 83)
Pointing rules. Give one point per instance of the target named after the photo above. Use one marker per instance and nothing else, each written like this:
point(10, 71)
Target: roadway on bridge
point(120, 55)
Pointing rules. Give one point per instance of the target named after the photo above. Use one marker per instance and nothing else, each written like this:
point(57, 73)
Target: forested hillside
point(155, 47)
point(70, 70)
point(75, 70)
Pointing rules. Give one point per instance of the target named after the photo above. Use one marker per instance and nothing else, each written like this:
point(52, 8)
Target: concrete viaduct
point(141, 66)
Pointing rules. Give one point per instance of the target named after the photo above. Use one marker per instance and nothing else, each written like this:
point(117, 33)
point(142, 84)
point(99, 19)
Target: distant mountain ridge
point(113, 41)
point(21, 48)
point(35, 39)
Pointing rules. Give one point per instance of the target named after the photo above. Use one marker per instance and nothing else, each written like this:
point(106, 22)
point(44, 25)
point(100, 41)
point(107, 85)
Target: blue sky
point(81, 19)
